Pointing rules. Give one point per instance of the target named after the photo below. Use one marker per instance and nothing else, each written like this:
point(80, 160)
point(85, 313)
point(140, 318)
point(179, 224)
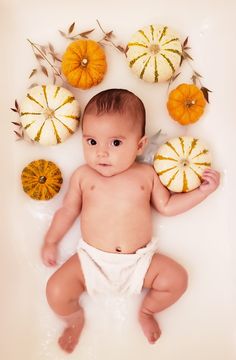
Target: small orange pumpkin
point(186, 104)
point(41, 179)
point(84, 63)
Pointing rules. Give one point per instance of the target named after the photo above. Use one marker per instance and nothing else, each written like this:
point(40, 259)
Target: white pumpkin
point(180, 163)
point(154, 53)
point(49, 114)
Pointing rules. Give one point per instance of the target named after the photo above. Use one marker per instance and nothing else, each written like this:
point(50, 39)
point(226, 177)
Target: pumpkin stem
point(84, 62)
point(184, 162)
point(154, 49)
point(189, 103)
point(42, 179)
point(49, 113)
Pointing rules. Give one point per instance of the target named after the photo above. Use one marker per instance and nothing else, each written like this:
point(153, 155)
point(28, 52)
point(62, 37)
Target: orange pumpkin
point(186, 104)
point(84, 64)
point(41, 179)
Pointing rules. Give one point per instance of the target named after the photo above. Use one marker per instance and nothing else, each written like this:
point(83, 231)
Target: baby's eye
point(91, 142)
point(116, 142)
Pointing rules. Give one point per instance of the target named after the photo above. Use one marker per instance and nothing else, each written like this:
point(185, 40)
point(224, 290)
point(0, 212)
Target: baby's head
point(113, 127)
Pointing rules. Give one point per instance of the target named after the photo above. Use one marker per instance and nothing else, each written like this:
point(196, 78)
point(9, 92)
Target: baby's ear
point(141, 144)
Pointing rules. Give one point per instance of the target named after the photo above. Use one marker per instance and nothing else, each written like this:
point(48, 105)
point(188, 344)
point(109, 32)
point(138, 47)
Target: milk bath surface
point(202, 324)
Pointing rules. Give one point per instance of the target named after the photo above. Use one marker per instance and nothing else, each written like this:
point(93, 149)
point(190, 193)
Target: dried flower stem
point(107, 38)
point(188, 58)
point(107, 35)
point(19, 132)
point(35, 47)
point(196, 76)
point(68, 35)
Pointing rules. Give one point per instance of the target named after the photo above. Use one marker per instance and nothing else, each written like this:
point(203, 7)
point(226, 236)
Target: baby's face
point(111, 142)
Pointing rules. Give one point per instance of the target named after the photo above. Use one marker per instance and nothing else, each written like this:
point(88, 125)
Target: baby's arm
point(62, 220)
point(173, 204)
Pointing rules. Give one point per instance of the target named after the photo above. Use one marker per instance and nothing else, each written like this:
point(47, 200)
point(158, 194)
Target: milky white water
point(201, 326)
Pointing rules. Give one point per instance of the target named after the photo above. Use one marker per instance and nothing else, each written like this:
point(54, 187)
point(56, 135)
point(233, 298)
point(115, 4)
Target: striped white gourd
point(49, 114)
point(180, 163)
point(154, 53)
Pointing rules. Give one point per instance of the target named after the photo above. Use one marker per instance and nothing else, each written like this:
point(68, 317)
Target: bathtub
point(202, 324)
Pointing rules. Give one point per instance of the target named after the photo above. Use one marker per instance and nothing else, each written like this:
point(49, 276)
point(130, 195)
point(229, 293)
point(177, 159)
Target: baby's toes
point(154, 337)
point(66, 343)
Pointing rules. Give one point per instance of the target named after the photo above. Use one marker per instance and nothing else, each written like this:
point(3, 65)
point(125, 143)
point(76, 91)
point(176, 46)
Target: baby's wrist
point(203, 192)
point(50, 242)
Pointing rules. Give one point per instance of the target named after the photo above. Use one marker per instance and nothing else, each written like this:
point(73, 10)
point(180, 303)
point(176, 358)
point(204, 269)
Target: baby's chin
point(108, 170)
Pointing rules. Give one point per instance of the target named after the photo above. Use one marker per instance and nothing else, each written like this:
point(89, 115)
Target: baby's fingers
point(212, 171)
point(211, 175)
point(49, 260)
point(210, 181)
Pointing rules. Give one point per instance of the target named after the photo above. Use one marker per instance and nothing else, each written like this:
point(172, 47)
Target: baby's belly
point(114, 232)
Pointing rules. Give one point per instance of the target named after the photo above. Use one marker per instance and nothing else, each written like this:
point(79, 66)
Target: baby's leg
point(167, 281)
point(63, 291)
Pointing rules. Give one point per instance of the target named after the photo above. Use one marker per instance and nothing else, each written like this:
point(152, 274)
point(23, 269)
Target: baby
point(114, 194)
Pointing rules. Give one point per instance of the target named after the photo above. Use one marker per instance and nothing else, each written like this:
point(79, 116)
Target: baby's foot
point(70, 336)
point(150, 327)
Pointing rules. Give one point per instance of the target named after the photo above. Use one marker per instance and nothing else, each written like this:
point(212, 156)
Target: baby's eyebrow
point(110, 138)
point(90, 136)
point(118, 137)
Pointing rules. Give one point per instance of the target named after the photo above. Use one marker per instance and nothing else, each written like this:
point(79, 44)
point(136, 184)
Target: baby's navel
point(118, 249)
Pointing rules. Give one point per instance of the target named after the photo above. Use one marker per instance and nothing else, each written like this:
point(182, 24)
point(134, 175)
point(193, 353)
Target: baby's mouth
point(102, 164)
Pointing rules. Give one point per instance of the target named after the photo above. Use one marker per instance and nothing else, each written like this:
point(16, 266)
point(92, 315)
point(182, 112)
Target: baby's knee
point(63, 292)
point(179, 281)
point(54, 293)
point(174, 281)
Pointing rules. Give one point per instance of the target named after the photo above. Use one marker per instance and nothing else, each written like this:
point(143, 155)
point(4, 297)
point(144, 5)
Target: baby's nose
point(102, 151)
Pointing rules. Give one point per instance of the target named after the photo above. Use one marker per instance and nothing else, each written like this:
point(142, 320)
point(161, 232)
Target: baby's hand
point(211, 180)
point(49, 254)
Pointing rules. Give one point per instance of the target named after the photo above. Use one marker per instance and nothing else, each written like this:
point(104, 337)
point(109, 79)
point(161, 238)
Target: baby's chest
point(132, 191)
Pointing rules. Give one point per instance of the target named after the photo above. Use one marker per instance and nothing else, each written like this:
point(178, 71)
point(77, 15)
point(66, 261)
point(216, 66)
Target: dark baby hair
point(117, 100)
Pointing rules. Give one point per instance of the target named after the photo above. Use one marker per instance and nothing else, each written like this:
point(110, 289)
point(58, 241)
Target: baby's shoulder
point(146, 169)
point(80, 172)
